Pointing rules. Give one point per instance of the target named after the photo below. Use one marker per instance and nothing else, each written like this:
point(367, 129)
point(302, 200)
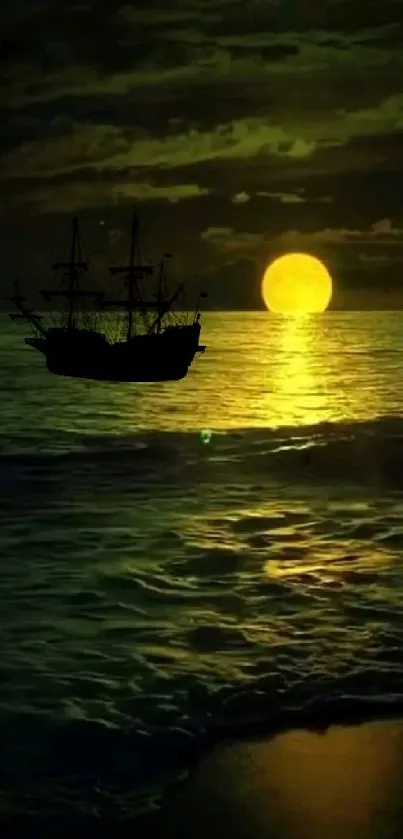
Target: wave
point(129, 652)
point(360, 453)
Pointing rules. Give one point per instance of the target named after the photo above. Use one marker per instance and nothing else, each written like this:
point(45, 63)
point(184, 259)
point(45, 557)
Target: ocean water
point(187, 561)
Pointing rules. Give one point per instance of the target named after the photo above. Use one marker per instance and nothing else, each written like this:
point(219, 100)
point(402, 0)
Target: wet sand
point(346, 783)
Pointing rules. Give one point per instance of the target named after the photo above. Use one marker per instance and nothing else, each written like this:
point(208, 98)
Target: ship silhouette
point(158, 343)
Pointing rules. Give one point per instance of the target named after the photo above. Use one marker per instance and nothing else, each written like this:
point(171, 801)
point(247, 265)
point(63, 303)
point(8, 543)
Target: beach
point(344, 782)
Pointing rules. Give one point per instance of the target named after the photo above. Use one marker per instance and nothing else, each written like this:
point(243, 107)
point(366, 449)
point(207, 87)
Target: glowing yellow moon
point(297, 282)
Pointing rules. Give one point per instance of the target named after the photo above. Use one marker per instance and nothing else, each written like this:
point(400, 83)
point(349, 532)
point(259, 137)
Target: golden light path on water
point(312, 376)
point(298, 378)
point(259, 370)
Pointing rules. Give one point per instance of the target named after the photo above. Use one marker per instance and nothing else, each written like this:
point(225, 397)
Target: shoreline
point(300, 784)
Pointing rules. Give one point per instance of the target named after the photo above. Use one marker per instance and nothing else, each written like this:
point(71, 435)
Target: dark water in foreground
point(187, 561)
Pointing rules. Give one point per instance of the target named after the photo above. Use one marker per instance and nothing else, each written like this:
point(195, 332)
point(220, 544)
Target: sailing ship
point(154, 342)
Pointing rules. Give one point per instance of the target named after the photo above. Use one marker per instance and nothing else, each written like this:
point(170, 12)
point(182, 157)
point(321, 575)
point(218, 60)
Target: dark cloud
point(281, 118)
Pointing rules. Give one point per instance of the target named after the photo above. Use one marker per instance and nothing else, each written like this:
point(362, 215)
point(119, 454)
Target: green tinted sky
point(242, 129)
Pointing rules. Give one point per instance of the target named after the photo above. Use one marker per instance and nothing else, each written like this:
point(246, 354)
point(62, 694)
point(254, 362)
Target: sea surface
point(188, 561)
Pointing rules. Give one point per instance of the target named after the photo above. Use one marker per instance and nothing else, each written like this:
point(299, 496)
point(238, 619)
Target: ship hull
point(103, 373)
point(83, 354)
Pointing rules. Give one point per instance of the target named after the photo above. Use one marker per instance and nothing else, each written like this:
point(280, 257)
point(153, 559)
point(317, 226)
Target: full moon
point(296, 282)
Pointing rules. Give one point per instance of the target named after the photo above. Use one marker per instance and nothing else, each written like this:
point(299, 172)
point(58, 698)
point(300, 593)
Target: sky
point(239, 130)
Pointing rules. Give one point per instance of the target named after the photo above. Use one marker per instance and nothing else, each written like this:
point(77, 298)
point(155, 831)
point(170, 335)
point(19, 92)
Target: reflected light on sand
point(301, 785)
point(326, 782)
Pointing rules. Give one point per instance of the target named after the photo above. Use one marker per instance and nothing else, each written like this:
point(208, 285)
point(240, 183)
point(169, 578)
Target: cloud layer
point(284, 119)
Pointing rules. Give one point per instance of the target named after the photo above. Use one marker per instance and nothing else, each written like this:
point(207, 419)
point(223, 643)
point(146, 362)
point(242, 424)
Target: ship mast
point(131, 279)
point(163, 308)
point(74, 267)
point(72, 275)
point(133, 272)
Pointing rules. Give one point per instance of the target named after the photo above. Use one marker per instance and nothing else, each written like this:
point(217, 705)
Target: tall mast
point(159, 299)
point(74, 267)
point(131, 280)
point(163, 308)
point(133, 271)
point(72, 277)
